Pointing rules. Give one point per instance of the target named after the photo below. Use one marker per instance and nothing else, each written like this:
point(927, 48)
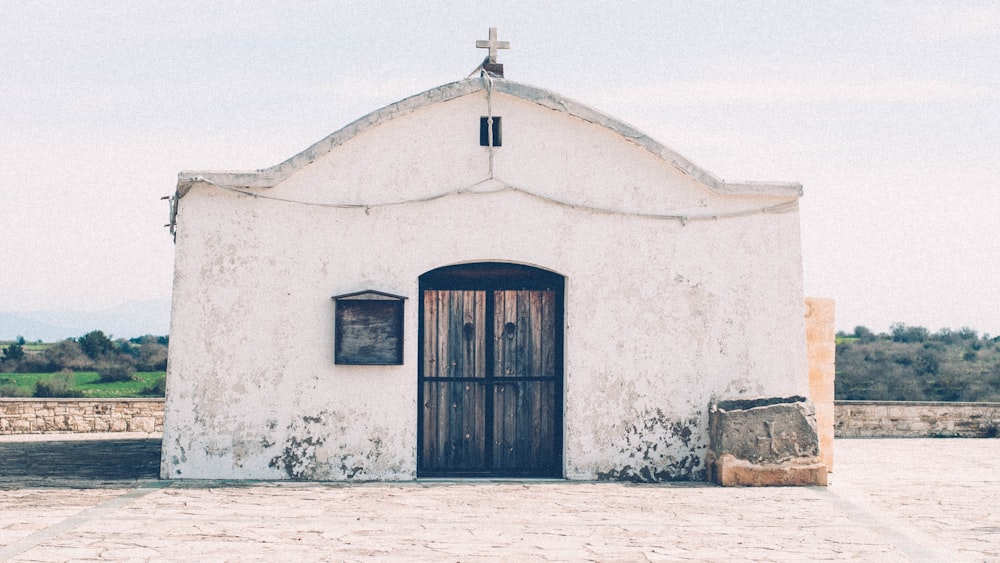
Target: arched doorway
point(490, 372)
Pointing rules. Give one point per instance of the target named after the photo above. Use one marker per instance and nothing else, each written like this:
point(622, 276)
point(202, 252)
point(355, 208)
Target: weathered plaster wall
point(38, 416)
point(661, 315)
point(897, 419)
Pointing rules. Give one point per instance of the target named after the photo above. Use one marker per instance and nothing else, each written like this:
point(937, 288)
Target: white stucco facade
point(679, 288)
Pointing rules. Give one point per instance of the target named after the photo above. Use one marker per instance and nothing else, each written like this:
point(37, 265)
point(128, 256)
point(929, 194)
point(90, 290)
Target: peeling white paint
point(661, 316)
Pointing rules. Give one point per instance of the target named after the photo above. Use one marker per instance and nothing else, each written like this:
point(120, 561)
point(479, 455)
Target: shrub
point(903, 333)
point(95, 344)
point(112, 372)
point(902, 359)
point(66, 354)
point(152, 356)
point(36, 363)
point(157, 389)
point(966, 333)
point(9, 388)
point(13, 353)
point(863, 333)
point(59, 385)
point(927, 363)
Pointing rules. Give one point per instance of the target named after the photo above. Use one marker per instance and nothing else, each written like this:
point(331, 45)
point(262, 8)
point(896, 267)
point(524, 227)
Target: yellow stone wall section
point(50, 416)
point(821, 348)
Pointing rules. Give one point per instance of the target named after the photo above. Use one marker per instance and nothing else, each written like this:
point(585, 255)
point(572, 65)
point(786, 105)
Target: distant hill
point(913, 364)
point(131, 319)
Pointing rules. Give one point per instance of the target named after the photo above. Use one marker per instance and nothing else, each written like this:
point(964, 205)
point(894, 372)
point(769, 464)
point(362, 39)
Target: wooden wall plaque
point(369, 328)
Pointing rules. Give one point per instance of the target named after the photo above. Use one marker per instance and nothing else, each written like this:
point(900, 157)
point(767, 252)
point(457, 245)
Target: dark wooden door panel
point(524, 333)
point(454, 428)
point(454, 333)
point(523, 428)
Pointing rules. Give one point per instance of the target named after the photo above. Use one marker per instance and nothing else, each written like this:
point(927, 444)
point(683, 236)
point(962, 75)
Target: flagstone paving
point(68, 498)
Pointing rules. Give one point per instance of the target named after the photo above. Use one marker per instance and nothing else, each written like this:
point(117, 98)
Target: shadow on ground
point(78, 463)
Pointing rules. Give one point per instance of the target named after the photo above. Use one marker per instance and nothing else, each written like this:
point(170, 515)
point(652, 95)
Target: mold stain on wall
point(309, 454)
point(658, 449)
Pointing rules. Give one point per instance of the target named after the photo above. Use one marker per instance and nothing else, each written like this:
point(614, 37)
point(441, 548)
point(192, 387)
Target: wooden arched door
point(490, 372)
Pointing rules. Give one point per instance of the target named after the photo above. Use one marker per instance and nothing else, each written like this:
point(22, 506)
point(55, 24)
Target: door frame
point(493, 276)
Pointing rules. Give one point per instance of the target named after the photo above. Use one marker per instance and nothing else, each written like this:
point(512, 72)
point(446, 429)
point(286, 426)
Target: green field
point(88, 382)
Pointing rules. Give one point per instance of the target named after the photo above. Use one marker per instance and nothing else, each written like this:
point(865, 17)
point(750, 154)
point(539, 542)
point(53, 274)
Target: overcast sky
point(888, 113)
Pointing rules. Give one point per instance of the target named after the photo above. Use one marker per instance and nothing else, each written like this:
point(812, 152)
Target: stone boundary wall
point(889, 419)
point(38, 416)
point(854, 419)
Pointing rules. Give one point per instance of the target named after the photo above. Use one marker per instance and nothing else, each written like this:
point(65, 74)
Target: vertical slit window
point(484, 132)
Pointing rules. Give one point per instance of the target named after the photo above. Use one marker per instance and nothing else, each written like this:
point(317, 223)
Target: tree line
point(114, 360)
point(910, 363)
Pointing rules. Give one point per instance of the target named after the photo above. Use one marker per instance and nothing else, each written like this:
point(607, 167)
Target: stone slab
point(731, 472)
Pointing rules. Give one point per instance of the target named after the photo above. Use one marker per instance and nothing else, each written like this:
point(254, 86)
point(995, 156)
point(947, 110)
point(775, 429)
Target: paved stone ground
point(72, 498)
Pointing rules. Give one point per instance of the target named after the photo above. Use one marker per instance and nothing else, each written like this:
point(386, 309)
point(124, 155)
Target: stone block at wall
point(764, 442)
point(39, 416)
point(887, 419)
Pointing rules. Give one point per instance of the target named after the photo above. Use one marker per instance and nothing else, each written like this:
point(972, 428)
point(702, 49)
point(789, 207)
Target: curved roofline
point(269, 177)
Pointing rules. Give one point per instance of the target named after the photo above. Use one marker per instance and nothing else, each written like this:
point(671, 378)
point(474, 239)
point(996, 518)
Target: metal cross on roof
point(492, 45)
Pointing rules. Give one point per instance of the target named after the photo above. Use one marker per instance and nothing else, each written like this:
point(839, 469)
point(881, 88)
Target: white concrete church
point(486, 279)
